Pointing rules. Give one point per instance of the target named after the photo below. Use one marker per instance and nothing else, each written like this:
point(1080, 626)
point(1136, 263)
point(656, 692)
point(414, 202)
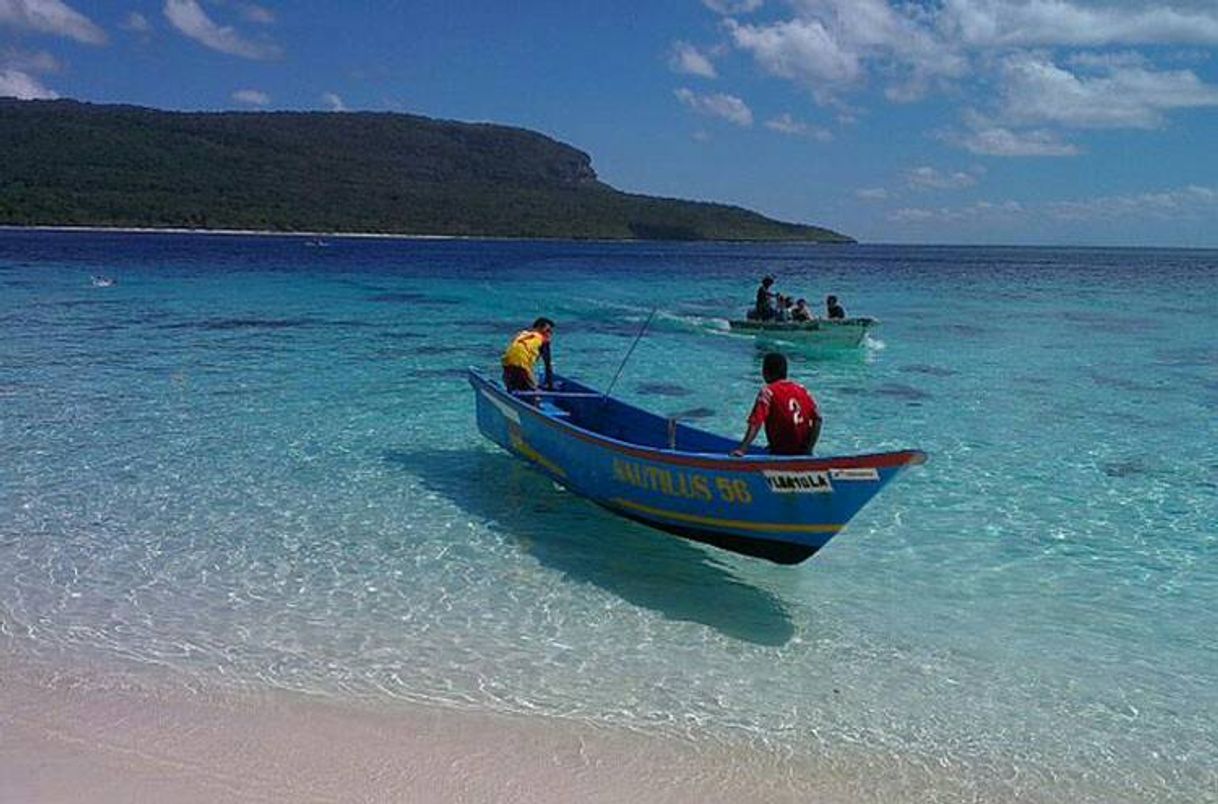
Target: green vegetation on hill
point(70, 163)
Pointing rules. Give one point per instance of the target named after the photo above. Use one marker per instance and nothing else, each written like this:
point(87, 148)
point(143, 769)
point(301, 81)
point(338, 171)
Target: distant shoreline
point(260, 232)
point(7, 227)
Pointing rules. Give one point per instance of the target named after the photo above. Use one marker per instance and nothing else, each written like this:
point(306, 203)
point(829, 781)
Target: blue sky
point(1089, 122)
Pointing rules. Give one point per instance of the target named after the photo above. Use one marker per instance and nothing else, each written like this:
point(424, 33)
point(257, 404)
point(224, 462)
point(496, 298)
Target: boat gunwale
point(706, 460)
point(815, 325)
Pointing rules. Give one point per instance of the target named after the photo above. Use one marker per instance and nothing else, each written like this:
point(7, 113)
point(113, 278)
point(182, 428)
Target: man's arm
point(757, 417)
point(749, 435)
point(545, 355)
point(815, 434)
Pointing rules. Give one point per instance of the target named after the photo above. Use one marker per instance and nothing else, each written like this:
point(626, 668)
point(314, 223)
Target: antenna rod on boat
point(630, 351)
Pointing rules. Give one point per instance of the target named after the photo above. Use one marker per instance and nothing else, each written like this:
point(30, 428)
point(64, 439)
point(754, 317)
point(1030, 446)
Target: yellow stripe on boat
point(739, 524)
point(526, 449)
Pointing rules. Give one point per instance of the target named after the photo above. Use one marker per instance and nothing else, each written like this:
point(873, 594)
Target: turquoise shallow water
point(253, 463)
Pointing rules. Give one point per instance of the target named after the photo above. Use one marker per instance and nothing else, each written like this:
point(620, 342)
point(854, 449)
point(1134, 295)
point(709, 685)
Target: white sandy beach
point(67, 739)
point(267, 232)
point(84, 737)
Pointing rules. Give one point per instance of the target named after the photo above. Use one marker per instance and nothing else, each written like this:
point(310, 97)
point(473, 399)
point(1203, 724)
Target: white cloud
point(1037, 23)
point(190, 19)
point(1184, 202)
point(834, 47)
point(332, 100)
point(829, 45)
point(1195, 202)
point(1038, 91)
point(1108, 60)
point(258, 14)
point(136, 22)
point(980, 210)
point(785, 124)
point(29, 61)
point(872, 194)
point(23, 86)
point(728, 107)
point(688, 60)
point(252, 97)
point(989, 138)
point(728, 7)
point(801, 50)
point(911, 215)
point(51, 17)
point(928, 178)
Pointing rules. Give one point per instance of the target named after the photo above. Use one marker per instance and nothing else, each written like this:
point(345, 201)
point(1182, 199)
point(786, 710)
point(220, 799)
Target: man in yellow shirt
point(522, 353)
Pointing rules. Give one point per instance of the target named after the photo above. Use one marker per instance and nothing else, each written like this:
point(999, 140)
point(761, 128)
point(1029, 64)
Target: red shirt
point(787, 409)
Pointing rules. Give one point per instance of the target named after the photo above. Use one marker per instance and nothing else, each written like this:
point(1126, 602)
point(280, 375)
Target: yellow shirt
point(524, 350)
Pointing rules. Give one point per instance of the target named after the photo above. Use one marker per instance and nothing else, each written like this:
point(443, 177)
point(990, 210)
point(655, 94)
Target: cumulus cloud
point(190, 19)
point(333, 101)
point(785, 124)
point(688, 60)
point(251, 97)
point(1183, 202)
point(1039, 91)
point(258, 14)
point(987, 138)
point(135, 22)
point(928, 178)
point(23, 86)
point(728, 107)
point(730, 7)
point(829, 44)
point(51, 17)
point(29, 61)
point(980, 210)
point(1108, 60)
point(802, 50)
point(1104, 77)
point(1037, 23)
point(1194, 202)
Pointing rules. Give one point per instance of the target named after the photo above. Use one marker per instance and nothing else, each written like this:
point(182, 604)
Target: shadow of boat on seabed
point(644, 567)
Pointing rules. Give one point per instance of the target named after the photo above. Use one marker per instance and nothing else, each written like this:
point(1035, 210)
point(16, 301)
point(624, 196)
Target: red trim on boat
point(885, 460)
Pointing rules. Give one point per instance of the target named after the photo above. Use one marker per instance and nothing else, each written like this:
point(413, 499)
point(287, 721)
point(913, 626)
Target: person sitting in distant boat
point(521, 355)
point(782, 308)
point(834, 309)
point(786, 410)
point(801, 311)
point(763, 310)
point(103, 281)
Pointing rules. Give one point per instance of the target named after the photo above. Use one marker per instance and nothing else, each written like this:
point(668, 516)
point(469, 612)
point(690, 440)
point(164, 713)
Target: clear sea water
point(252, 463)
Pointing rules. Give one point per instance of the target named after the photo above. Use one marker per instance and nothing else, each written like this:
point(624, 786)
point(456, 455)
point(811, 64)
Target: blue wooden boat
point(820, 332)
point(669, 475)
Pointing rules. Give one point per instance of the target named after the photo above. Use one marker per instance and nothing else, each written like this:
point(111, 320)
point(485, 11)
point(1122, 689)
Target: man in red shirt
point(788, 411)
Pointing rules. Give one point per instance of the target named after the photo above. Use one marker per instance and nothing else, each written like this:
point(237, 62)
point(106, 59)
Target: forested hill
point(69, 163)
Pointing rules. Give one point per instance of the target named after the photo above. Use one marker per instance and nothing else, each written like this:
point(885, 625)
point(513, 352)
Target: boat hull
point(828, 332)
point(782, 509)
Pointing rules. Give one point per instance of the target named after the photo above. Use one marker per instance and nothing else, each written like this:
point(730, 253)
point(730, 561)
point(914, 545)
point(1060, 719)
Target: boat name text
point(691, 486)
point(799, 482)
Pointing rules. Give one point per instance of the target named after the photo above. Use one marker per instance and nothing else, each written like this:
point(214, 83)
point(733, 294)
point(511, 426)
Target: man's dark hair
point(774, 367)
point(831, 299)
point(543, 322)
